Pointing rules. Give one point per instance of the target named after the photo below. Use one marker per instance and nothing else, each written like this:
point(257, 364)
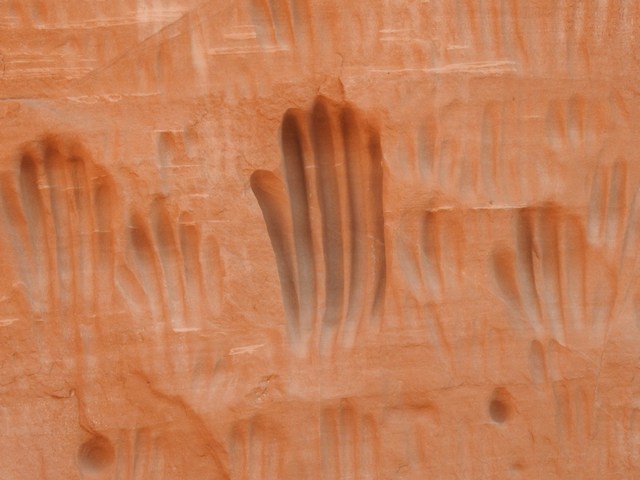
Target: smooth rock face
point(275, 239)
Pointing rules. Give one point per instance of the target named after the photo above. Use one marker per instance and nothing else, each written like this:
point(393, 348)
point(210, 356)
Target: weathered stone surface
point(273, 239)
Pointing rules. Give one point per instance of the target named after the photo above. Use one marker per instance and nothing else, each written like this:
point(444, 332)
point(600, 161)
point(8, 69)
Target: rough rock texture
point(277, 239)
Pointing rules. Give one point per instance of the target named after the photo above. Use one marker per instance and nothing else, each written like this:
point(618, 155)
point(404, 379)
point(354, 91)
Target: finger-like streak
point(34, 211)
point(189, 236)
point(104, 201)
point(504, 263)
point(82, 231)
point(55, 170)
point(358, 171)
point(432, 253)
point(271, 196)
point(376, 223)
point(213, 272)
point(575, 274)
point(17, 230)
point(325, 145)
point(525, 268)
point(295, 148)
point(548, 223)
point(144, 260)
point(173, 292)
point(617, 203)
point(598, 206)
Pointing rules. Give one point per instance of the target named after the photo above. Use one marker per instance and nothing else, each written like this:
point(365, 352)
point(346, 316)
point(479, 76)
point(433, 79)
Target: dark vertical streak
point(525, 263)
point(324, 144)
point(17, 230)
point(82, 231)
point(173, 292)
point(296, 180)
point(189, 238)
point(270, 194)
point(505, 275)
point(550, 255)
point(103, 204)
point(144, 258)
point(357, 169)
point(33, 207)
point(54, 169)
point(377, 222)
point(283, 23)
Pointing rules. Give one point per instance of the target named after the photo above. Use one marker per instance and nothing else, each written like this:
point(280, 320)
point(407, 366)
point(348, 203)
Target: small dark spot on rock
point(500, 405)
point(498, 411)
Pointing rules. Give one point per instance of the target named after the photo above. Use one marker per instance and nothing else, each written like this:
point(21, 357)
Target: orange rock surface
point(277, 239)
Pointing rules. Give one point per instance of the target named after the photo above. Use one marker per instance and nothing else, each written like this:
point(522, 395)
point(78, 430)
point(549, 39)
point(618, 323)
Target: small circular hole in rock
point(498, 411)
point(95, 455)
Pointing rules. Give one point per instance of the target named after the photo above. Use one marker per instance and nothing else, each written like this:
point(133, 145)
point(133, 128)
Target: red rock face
point(265, 239)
